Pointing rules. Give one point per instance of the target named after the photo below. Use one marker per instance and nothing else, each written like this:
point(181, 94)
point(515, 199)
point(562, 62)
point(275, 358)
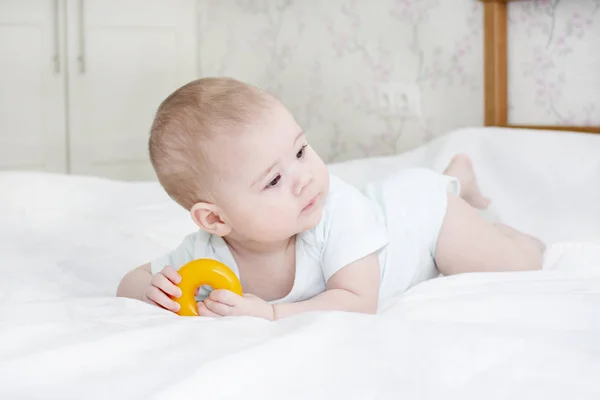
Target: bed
point(528, 335)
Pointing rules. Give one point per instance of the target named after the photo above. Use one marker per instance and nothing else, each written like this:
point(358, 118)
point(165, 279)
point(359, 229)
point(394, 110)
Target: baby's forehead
point(247, 148)
point(245, 158)
point(252, 146)
point(233, 154)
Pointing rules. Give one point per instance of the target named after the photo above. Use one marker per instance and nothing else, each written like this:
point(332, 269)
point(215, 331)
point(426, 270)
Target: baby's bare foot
point(461, 167)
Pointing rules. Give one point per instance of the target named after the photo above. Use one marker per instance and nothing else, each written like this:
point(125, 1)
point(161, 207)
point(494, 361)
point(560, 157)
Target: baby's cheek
point(261, 219)
point(274, 221)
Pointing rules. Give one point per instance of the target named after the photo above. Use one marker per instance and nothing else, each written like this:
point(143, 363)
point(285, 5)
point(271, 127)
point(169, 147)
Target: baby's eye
point(302, 151)
point(274, 182)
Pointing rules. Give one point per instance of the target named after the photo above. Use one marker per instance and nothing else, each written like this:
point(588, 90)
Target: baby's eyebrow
point(298, 136)
point(264, 174)
point(268, 170)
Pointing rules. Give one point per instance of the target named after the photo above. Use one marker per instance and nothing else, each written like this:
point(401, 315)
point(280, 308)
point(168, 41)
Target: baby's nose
point(304, 178)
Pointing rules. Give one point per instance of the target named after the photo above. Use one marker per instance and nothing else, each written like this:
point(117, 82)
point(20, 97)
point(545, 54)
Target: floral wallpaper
point(554, 67)
point(337, 64)
point(371, 78)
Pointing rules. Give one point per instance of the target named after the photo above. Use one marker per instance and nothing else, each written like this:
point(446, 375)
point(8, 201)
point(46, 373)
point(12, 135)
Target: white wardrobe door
point(32, 85)
point(126, 56)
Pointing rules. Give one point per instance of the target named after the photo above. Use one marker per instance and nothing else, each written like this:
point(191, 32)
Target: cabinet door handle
point(81, 56)
point(56, 56)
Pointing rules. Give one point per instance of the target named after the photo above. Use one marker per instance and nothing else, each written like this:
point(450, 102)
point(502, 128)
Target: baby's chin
point(308, 222)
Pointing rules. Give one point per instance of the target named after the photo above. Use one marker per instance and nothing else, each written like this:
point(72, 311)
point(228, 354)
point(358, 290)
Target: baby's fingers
point(170, 273)
point(218, 308)
point(164, 284)
point(205, 312)
point(224, 296)
point(161, 299)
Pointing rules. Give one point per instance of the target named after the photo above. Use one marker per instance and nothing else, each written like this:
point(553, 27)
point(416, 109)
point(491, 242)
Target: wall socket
point(400, 98)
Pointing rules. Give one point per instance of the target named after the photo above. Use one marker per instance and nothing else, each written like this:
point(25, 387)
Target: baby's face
point(271, 184)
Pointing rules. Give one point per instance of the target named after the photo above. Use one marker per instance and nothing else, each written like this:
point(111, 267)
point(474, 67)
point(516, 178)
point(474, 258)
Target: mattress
point(66, 241)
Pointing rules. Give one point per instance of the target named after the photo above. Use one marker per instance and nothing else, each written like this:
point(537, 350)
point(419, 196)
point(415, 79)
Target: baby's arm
point(354, 288)
point(140, 284)
point(135, 282)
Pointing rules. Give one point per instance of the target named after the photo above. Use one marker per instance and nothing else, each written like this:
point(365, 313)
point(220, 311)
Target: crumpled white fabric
point(66, 241)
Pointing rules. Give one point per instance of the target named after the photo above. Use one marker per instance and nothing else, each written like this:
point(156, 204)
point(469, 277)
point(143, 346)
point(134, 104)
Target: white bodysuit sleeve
point(180, 256)
point(354, 227)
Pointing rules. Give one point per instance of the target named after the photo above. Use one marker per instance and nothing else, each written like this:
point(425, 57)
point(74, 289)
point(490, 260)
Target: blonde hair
point(185, 124)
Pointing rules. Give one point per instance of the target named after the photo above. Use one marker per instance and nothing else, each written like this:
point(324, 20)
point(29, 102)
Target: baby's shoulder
point(197, 244)
point(344, 208)
point(344, 202)
point(342, 191)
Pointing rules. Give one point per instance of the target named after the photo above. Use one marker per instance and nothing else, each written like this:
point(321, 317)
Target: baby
point(299, 238)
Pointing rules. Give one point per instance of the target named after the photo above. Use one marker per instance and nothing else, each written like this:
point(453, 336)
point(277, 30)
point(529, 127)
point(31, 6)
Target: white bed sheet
point(66, 241)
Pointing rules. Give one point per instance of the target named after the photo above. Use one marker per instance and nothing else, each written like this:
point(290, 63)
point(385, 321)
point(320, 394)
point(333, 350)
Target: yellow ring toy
point(200, 272)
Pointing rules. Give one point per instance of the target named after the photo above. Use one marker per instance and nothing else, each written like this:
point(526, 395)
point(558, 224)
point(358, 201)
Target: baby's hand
point(223, 303)
point(163, 284)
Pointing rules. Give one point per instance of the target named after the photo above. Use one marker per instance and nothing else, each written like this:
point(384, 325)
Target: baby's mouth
point(310, 204)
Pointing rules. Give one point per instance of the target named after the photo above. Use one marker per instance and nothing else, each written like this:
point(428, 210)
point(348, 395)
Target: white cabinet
point(127, 56)
point(90, 112)
point(32, 86)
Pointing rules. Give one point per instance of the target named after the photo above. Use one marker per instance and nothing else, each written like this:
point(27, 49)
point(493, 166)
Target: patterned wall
point(554, 65)
point(338, 64)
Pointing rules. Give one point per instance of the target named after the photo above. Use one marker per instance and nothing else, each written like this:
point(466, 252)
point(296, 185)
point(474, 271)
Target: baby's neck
point(266, 269)
point(250, 249)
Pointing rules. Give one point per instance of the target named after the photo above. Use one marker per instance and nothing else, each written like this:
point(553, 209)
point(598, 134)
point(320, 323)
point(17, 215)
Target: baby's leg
point(461, 168)
point(526, 241)
point(469, 243)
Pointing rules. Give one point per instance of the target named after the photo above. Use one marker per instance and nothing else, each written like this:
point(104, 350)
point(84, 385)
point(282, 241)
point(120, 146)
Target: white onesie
point(399, 217)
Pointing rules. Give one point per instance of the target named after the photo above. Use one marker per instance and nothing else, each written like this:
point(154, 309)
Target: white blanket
point(66, 241)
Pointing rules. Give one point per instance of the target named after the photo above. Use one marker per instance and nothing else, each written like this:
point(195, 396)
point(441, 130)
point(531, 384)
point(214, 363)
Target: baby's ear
point(208, 217)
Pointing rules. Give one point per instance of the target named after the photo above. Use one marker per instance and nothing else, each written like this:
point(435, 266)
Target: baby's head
point(235, 157)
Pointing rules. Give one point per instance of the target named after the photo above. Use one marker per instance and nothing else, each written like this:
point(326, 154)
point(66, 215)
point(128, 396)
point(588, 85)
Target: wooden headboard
point(495, 73)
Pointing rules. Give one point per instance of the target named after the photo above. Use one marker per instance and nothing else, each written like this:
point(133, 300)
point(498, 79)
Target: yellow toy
point(200, 272)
